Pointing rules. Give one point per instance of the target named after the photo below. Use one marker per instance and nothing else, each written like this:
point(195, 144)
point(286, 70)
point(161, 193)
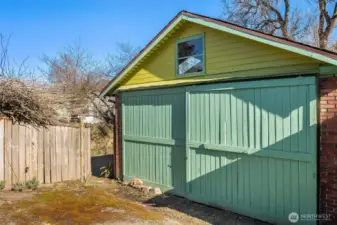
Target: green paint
point(249, 147)
point(161, 141)
point(327, 70)
point(153, 139)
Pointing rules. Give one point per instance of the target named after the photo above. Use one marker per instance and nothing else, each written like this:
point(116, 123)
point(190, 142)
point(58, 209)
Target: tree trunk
point(323, 41)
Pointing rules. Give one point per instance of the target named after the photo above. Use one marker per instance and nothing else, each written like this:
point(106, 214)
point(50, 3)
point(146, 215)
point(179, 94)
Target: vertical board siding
point(237, 118)
point(249, 146)
point(49, 155)
point(239, 157)
point(157, 116)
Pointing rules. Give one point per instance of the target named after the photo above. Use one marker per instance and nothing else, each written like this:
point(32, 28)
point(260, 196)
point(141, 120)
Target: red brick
point(332, 133)
point(330, 139)
point(328, 98)
point(327, 114)
point(328, 147)
point(332, 94)
point(332, 110)
point(327, 106)
point(330, 90)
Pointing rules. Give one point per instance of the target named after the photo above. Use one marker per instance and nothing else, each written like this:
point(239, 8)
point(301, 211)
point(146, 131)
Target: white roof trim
point(139, 57)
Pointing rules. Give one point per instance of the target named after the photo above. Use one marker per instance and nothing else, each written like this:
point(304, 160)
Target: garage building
point(230, 117)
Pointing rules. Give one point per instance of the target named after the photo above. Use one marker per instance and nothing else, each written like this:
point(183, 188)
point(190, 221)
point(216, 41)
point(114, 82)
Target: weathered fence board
point(46, 147)
point(22, 154)
point(78, 153)
point(2, 149)
point(53, 168)
point(15, 151)
point(28, 156)
point(40, 151)
point(33, 166)
point(55, 154)
point(8, 153)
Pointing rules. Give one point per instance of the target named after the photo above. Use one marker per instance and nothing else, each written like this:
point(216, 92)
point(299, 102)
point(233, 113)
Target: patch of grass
point(83, 205)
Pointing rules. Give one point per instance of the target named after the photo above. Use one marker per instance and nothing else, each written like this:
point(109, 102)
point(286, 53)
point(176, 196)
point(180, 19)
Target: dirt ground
point(106, 203)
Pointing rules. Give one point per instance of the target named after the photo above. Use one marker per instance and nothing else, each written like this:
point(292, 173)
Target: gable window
point(190, 55)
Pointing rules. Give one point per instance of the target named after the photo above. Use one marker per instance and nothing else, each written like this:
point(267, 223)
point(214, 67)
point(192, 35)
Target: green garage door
point(154, 137)
point(249, 147)
point(252, 147)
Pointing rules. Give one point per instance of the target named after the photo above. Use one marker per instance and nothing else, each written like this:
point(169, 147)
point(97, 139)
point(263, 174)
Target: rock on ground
point(136, 182)
point(156, 191)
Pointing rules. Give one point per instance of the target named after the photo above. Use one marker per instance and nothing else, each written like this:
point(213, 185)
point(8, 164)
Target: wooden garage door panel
point(154, 137)
point(252, 147)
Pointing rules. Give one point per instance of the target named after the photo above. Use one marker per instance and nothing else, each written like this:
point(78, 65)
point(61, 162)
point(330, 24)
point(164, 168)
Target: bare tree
point(284, 18)
point(125, 52)
point(75, 80)
point(327, 21)
point(73, 68)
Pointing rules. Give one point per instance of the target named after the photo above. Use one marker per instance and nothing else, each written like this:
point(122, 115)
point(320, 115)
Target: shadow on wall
point(267, 188)
point(99, 161)
point(258, 159)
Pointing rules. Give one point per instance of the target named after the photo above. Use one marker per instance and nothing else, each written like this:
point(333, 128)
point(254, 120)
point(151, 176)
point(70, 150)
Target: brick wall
point(328, 147)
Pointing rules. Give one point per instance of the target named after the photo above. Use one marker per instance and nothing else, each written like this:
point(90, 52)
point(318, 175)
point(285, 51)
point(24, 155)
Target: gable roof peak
point(221, 25)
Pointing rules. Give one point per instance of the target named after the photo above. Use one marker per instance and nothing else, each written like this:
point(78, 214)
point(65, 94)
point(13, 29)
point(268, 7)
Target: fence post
point(2, 149)
point(81, 151)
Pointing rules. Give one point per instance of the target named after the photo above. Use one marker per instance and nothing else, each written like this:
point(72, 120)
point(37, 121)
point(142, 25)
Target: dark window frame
point(199, 36)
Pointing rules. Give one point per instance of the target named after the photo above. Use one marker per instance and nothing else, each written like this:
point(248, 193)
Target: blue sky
point(40, 27)
point(45, 27)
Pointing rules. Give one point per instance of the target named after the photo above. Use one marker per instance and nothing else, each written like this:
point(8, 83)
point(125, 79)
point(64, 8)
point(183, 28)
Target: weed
point(32, 184)
point(2, 184)
point(18, 186)
point(107, 170)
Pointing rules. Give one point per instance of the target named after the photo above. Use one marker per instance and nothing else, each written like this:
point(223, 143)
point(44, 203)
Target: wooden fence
point(51, 155)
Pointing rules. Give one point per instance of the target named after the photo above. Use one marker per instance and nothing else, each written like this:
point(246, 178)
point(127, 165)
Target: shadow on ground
point(203, 212)
point(99, 161)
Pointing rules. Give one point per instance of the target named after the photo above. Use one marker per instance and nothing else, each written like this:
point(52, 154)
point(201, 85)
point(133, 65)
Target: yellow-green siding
point(227, 57)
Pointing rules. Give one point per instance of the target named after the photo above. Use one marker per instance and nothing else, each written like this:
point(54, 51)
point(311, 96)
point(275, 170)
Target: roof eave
point(139, 57)
point(241, 33)
point(276, 44)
